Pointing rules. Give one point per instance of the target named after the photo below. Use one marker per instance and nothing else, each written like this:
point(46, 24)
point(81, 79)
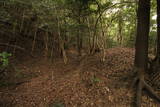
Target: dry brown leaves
point(93, 85)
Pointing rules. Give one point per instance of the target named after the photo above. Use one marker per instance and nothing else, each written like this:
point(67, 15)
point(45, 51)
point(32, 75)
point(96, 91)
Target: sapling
point(4, 60)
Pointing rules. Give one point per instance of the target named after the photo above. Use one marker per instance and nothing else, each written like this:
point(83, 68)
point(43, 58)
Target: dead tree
point(141, 53)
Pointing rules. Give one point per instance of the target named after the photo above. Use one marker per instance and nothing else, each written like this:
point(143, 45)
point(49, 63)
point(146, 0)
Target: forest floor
point(83, 82)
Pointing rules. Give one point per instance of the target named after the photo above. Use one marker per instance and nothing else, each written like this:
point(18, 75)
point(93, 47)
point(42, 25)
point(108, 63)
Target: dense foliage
point(56, 25)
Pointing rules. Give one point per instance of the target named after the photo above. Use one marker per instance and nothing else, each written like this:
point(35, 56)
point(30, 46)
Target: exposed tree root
point(151, 92)
point(142, 85)
point(139, 93)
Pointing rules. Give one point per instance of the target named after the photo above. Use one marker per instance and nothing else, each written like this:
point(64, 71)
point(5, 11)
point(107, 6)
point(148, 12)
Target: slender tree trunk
point(22, 22)
point(61, 41)
point(89, 37)
point(79, 36)
point(65, 36)
point(34, 40)
point(46, 44)
point(120, 29)
point(95, 36)
point(15, 32)
point(78, 42)
point(102, 42)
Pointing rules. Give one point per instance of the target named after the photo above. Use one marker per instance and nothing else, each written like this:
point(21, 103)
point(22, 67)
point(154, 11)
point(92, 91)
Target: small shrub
point(57, 104)
point(4, 59)
point(95, 80)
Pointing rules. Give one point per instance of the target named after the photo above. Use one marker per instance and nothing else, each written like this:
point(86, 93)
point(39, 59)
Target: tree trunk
point(79, 36)
point(158, 33)
point(61, 42)
point(120, 22)
point(141, 53)
point(89, 36)
point(79, 41)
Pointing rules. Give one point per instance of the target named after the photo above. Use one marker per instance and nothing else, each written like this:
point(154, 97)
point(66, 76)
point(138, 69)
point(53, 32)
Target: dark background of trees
point(51, 27)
